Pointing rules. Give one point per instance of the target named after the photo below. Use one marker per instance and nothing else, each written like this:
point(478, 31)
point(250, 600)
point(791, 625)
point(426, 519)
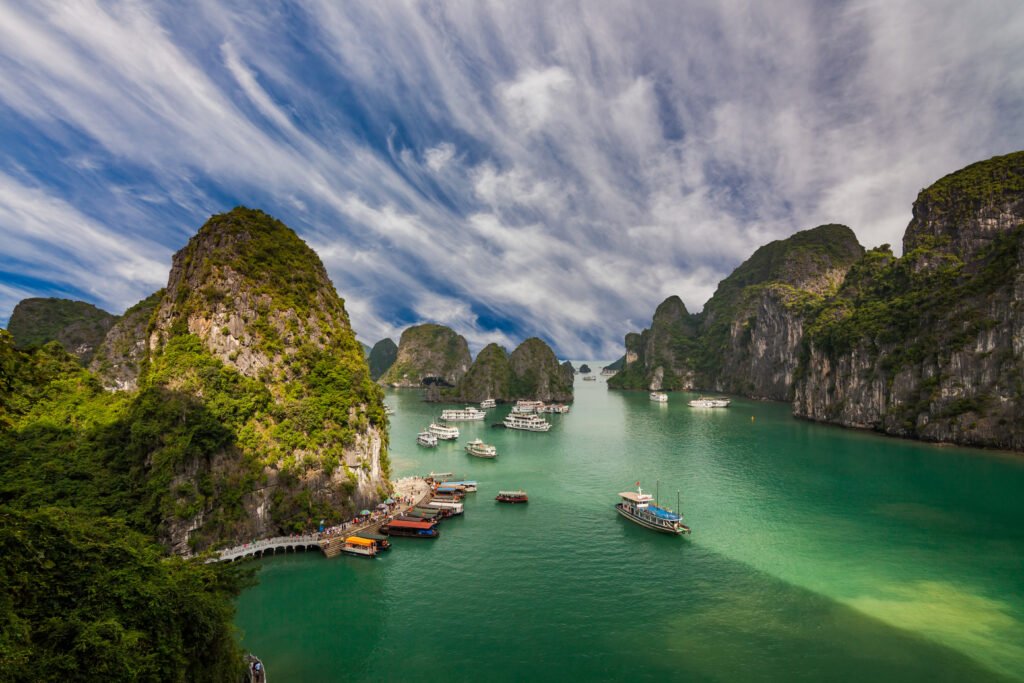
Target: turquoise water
point(817, 553)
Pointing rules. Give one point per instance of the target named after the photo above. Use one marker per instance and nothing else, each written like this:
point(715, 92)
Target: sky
point(509, 168)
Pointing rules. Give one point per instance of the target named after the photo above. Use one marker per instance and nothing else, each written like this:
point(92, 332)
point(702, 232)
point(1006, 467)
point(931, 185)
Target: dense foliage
point(85, 592)
point(429, 350)
point(960, 194)
point(382, 357)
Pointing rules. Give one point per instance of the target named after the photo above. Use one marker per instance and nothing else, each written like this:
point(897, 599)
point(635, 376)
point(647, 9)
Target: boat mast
point(657, 486)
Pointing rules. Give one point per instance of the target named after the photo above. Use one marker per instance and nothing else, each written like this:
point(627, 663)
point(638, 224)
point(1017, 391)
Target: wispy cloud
point(547, 168)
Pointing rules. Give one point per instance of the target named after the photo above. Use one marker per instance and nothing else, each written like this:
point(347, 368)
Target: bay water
point(817, 553)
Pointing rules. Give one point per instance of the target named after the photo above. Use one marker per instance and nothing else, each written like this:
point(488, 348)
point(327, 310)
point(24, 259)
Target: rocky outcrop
point(490, 376)
point(568, 373)
point(119, 358)
point(429, 354)
point(616, 365)
point(585, 369)
point(250, 326)
point(537, 375)
point(382, 356)
point(78, 327)
point(929, 345)
point(662, 356)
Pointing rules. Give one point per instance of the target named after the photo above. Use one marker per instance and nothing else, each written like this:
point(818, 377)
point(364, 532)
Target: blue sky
point(506, 168)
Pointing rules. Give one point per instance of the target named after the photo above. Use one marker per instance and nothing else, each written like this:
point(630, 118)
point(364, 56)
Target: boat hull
point(636, 519)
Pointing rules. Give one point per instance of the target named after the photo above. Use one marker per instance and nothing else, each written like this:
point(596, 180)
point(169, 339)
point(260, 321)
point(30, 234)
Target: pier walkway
point(314, 541)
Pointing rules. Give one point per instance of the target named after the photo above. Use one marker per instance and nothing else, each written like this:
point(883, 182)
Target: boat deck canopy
point(635, 497)
point(410, 524)
point(358, 540)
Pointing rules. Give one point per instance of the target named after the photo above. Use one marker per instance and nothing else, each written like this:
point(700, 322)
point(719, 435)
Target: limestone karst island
point(547, 342)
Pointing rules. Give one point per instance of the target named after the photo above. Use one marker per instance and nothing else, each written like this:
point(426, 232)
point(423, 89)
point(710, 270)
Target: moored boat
point(640, 508)
point(468, 413)
point(455, 507)
point(468, 485)
point(414, 528)
point(704, 402)
point(487, 403)
point(589, 378)
point(446, 432)
point(426, 438)
point(388, 410)
point(516, 496)
point(356, 545)
point(381, 542)
point(523, 407)
point(659, 397)
point(528, 423)
point(479, 449)
point(558, 408)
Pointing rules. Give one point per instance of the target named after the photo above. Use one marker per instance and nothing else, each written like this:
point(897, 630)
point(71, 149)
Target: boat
point(479, 449)
point(469, 486)
point(659, 396)
point(704, 402)
point(589, 378)
point(388, 410)
point(637, 507)
point(487, 403)
point(414, 528)
point(255, 671)
point(446, 432)
point(512, 497)
point(462, 415)
point(426, 438)
point(437, 476)
point(527, 423)
point(558, 408)
point(456, 508)
point(356, 545)
point(381, 542)
point(523, 407)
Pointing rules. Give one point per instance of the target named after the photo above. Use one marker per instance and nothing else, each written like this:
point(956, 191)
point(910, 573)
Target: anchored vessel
point(478, 448)
point(638, 507)
point(426, 438)
point(512, 497)
point(704, 402)
point(529, 423)
point(487, 403)
point(659, 397)
point(554, 408)
point(463, 414)
point(445, 432)
point(469, 486)
point(526, 407)
point(355, 545)
point(416, 528)
point(589, 378)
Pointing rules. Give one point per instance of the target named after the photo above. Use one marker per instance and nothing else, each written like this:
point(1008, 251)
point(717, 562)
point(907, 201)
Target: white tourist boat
point(487, 403)
point(426, 438)
point(527, 423)
point(469, 484)
point(557, 408)
point(659, 396)
point(446, 432)
point(478, 448)
point(462, 414)
point(456, 508)
point(589, 378)
point(523, 407)
point(704, 402)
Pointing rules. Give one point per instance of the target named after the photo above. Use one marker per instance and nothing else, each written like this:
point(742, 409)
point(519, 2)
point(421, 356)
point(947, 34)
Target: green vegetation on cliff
point(490, 376)
point(537, 374)
point(382, 357)
point(78, 327)
point(429, 351)
point(962, 193)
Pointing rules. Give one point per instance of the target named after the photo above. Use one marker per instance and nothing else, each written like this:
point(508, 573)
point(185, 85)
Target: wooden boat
point(356, 545)
point(641, 508)
point(512, 497)
point(413, 528)
point(380, 541)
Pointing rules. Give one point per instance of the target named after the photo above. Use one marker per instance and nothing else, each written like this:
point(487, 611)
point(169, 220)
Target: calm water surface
point(817, 554)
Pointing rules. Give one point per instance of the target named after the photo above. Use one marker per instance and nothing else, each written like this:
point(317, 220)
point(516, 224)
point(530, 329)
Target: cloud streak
point(548, 168)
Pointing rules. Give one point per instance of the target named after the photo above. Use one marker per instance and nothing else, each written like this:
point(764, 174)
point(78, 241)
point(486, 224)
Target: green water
point(817, 554)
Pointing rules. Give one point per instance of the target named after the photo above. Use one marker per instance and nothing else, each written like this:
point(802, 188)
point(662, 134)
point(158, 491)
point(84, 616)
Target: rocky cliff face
point(250, 327)
point(662, 356)
point(429, 354)
point(930, 345)
point(119, 358)
point(748, 339)
point(78, 327)
point(490, 376)
point(536, 373)
point(382, 356)
point(752, 327)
